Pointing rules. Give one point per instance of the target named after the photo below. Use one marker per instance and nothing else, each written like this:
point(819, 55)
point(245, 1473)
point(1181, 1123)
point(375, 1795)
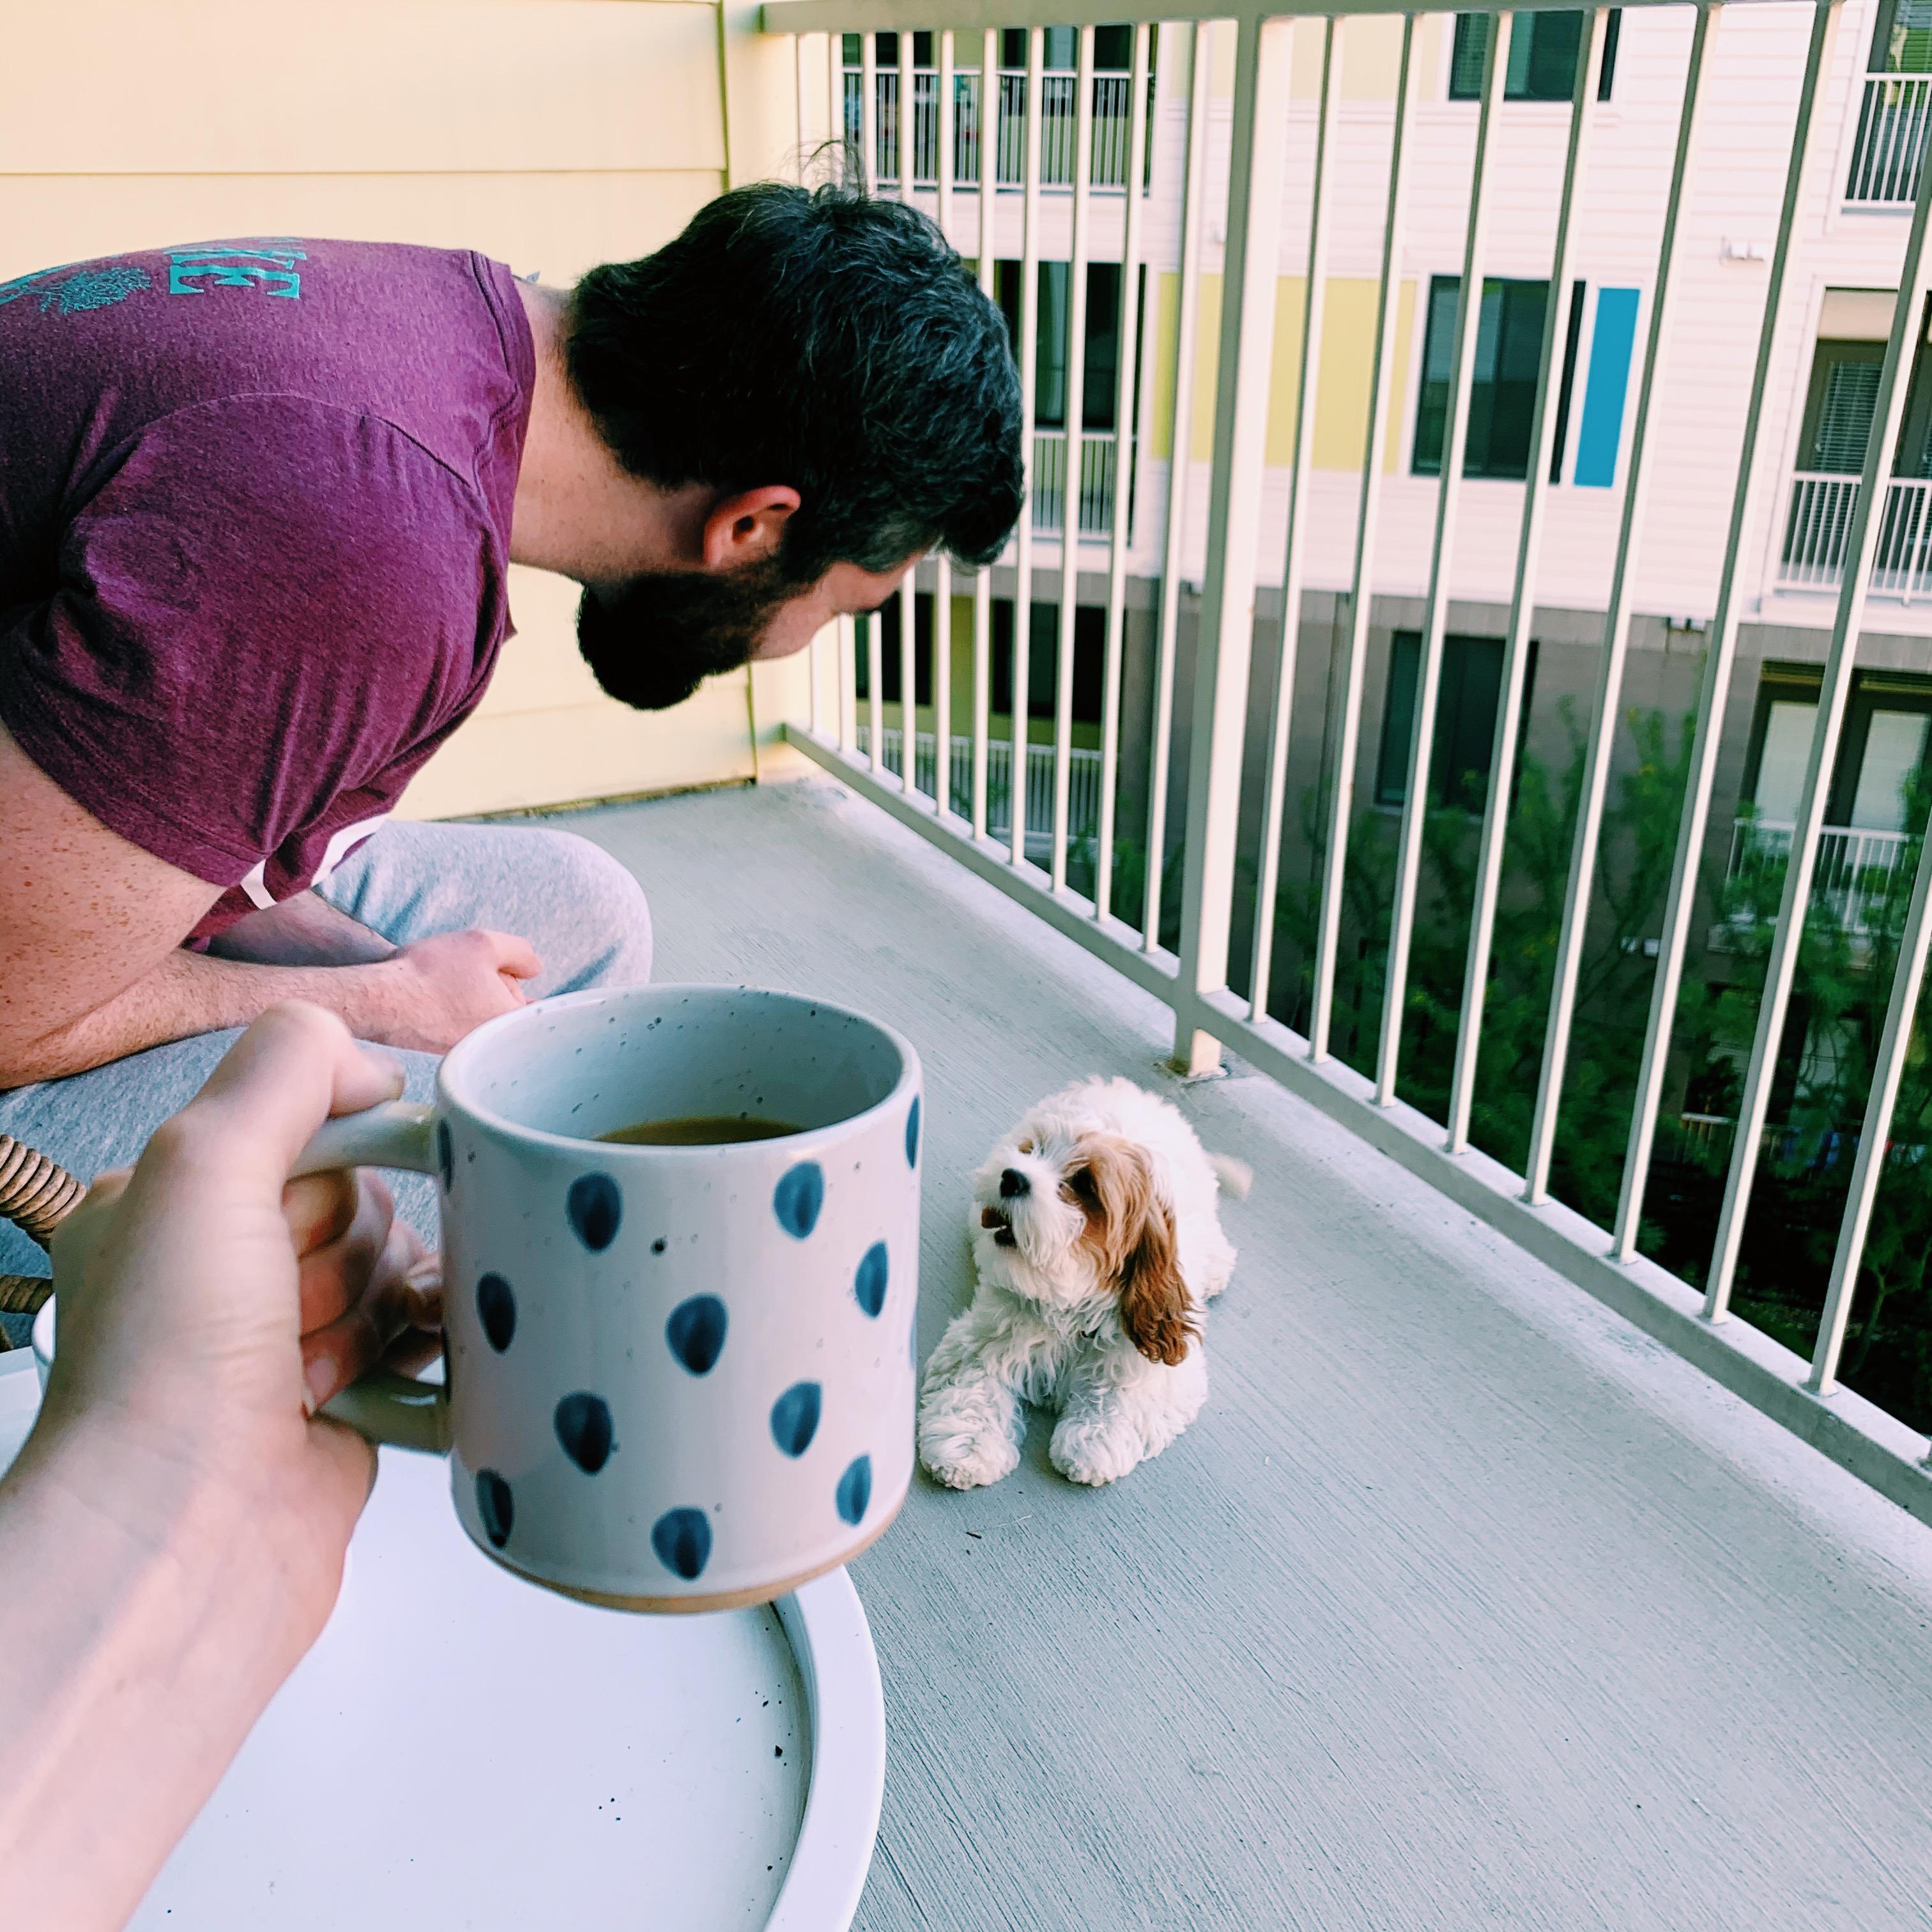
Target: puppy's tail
point(1236, 1176)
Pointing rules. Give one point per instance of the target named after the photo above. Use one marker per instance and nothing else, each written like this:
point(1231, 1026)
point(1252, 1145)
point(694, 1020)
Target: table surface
point(480, 1754)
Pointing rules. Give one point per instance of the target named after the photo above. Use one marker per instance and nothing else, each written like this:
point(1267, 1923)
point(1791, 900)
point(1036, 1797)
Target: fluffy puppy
point(1096, 1231)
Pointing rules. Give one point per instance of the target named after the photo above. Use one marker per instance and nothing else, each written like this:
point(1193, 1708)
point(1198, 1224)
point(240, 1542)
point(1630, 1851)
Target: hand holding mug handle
point(383, 1405)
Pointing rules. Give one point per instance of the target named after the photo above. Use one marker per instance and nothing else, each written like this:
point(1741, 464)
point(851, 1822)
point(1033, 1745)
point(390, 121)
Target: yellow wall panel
point(1284, 379)
point(1348, 370)
point(197, 86)
point(511, 760)
point(557, 225)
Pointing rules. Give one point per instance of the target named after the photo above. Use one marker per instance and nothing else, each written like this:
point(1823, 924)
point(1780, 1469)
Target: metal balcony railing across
point(1889, 149)
point(1818, 529)
point(1084, 795)
point(1854, 868)
point(1059, 120)
point(1256, 211)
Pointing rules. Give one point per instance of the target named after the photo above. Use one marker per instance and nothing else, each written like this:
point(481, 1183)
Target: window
point(1090, 641)
point(1101, 369)
point(1881, 753)
point(1544, 49)
point(1502, 398)
point(1902, 37)
point(1465, 719)
point(1573, 338)
point(891, 684)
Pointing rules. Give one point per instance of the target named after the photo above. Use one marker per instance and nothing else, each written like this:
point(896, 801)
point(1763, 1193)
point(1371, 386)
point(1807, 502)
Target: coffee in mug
point(700, 1130)
point(679, 1370)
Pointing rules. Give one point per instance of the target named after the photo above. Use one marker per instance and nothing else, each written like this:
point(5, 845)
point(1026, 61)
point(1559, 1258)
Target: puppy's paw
point(1085, 1452)
point(968, 1462)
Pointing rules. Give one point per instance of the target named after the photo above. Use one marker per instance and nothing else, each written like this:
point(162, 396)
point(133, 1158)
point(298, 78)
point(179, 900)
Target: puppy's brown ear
point(1134, 1227)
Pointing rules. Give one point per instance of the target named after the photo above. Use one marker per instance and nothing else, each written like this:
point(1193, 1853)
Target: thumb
point(514, 956)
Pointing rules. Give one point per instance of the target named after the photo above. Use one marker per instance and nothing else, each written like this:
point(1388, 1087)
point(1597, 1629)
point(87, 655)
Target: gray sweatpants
point(583, 912)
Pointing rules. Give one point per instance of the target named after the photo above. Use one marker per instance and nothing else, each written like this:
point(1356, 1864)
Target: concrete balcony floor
point(1463, 1604)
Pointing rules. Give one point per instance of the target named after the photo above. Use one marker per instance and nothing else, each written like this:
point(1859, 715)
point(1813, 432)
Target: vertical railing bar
point(990, 118)
point(1436, 609)
point(835, 130)
point(798, 93)
point(1076, 390)
point(1257, 158)
point(1314, 306)
point(1680, 903)
point(942, 580)
point(868, 132)
point(1016, 783)
point(1127, 446)
point(908, 85)
point(908, 595)
point(1522, 607)
point(848, 686)
point(1180, 439)
point(1869, 1168)
point(875, 734)
point(1616, 642)
point(1908, 319)
point(1342, 786)
point(908, 678)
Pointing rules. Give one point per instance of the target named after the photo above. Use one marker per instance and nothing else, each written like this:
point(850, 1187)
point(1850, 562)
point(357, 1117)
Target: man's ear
point(748, 527)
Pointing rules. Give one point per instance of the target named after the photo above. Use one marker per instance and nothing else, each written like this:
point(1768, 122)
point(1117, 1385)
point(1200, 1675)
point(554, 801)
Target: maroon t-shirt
point(255, 504)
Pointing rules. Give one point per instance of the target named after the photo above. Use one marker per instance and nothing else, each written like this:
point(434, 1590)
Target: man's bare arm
point(91, 967)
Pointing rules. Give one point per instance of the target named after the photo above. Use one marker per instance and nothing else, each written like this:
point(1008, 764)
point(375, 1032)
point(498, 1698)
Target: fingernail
point(319, 1376)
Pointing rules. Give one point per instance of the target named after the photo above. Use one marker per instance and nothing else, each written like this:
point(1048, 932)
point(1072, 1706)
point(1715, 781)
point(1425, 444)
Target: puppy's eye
point(1081, 1184)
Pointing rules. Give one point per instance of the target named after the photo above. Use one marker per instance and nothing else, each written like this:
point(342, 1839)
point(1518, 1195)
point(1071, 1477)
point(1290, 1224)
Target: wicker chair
point(36, 1194)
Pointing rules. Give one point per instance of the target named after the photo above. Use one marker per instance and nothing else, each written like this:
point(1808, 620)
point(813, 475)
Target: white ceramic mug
point(677, 1377)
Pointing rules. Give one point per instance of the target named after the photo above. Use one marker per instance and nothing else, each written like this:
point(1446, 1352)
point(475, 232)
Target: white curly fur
point(1044, 1325)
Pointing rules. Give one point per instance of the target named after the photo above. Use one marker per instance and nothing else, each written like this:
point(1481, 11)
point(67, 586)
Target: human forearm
point(304, 931)
point(148, 1628)
point(187, 993)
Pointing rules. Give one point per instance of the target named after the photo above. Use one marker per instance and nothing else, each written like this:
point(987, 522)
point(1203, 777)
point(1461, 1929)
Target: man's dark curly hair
point(820, 339)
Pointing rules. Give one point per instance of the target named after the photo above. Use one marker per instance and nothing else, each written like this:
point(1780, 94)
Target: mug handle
point(384, 1406)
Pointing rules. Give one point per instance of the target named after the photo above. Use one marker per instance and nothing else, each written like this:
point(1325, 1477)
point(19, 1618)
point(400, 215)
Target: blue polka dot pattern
point(800, 1194)
point(855, 1490)
point(583, 1427)
point(870, 1285)
point(445, 1156)
point(496, 1308)
point(596, 1207)
point(696, 1333)
point(795, 1417)
point(912, 1134)
point(682, 1538)
point(494, 1506)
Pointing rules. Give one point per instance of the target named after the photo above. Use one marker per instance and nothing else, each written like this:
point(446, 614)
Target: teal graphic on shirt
point(267, 265)
point(70, 290)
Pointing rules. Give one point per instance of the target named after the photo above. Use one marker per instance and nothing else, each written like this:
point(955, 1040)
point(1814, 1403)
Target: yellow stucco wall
point(1342, 377)
point(550, 134)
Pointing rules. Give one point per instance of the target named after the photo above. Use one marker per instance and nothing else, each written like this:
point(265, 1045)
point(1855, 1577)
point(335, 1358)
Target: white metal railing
point(1084, 801)
point(1097, 458)
point(1111, 119)
point(1247, 191)
point(1818, 528)
point(1854, 868)
point(1889, 149)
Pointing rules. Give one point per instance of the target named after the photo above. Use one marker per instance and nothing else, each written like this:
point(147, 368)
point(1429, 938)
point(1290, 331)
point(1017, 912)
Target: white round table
point(462, 1750)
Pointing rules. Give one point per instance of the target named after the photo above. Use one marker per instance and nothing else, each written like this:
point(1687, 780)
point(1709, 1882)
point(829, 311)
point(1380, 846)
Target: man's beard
point(651, 644)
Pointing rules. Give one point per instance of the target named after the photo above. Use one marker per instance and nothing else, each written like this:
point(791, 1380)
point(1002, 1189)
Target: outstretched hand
point(173, 1531)
point(208, 1305)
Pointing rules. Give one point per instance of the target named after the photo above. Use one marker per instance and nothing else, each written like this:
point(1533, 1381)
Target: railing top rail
point(859, 16)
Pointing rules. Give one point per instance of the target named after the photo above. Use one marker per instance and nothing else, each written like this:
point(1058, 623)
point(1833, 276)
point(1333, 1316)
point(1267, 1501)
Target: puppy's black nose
point(1012, 1183)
